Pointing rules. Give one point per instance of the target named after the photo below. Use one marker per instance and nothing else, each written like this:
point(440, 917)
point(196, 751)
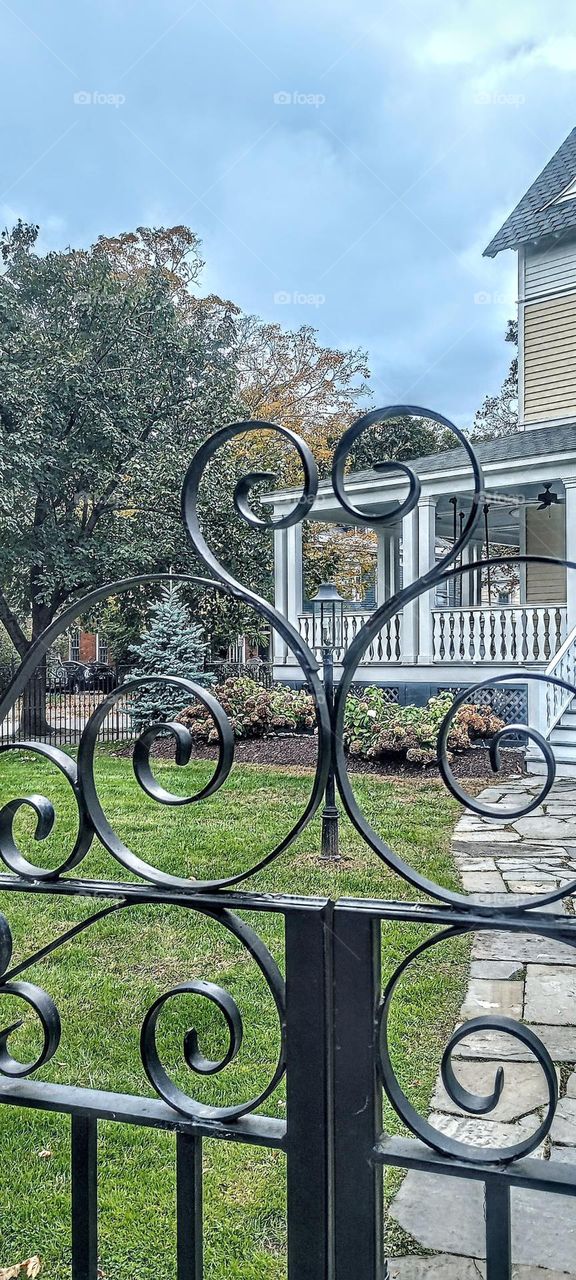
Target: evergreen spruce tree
point(172, 646)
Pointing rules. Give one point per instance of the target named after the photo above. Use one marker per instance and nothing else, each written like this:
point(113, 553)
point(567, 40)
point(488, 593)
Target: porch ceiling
point(504, 517)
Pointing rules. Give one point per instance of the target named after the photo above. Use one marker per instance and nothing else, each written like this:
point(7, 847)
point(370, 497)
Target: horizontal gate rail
point(532, 1174)
point(151, 1113)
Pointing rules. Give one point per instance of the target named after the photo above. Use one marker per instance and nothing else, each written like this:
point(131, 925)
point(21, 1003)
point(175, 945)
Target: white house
point(530, 481)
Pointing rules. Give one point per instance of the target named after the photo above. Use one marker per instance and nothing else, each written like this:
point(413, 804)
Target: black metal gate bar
point(189, 1238)
point(84, 1177)
point(357, 1098)
point(151, 1113)
point(531, 1173)
point(498, 1230)
point(308, 1092)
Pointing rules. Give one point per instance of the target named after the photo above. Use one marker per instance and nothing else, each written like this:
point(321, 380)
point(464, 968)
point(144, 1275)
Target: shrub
point(172, 645)
point(253, 712)
point(374, 727)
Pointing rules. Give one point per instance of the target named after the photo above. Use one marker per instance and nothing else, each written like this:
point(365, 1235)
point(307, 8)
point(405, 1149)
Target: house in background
point(87, 646)
point(468, 634)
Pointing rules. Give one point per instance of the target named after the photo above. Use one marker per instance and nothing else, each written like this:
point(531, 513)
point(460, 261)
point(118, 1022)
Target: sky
point(344, 164)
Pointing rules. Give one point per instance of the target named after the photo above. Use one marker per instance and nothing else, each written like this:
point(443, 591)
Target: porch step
point(563, 743)
point(564, 735)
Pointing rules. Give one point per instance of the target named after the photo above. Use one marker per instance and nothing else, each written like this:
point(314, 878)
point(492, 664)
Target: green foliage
point(173, 645)
point(374, 727)
point(498, 415)
point(111, 374)
point(254, 712)
point(399, 439)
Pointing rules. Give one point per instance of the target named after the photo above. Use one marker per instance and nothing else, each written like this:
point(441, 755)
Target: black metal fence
point(56, 706)
point(333, 1016)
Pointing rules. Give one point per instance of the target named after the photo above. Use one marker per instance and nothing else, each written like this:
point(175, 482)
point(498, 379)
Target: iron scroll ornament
point(49, 1018)
point(330, 737)
point(474, 1105)
point(92, 820)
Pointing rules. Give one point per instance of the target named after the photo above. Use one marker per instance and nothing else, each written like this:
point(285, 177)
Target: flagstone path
point(523, 977)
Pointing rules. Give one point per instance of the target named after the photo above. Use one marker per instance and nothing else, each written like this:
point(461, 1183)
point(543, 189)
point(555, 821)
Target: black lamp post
point(328, 633)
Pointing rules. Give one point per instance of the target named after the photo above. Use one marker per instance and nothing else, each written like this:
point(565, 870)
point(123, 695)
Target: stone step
point(563, 736)
point(564, 769)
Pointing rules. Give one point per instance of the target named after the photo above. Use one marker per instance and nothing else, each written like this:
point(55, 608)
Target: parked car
point(63, 676)
point(79, 677)
point(100, 676)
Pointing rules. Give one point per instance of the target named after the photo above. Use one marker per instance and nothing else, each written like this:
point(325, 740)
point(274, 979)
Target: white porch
point(474, 626)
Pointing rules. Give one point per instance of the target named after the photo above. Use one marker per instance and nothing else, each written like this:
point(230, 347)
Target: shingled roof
point(520, 444)
point(537, 443)
point(537, 214)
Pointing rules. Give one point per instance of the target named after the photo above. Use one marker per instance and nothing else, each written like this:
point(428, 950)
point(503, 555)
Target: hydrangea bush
point(253, 712)
point(373, 728)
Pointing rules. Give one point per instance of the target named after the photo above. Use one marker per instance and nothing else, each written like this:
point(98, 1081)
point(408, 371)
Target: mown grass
point(104, 981)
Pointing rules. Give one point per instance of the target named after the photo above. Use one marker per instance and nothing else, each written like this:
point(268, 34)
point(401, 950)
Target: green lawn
point(104, 981)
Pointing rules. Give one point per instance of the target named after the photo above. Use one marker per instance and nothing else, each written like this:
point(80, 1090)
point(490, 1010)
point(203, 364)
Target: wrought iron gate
point(332, 1013)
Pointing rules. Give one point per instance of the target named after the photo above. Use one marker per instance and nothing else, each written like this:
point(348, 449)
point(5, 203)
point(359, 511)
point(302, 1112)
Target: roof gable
point(547, 208)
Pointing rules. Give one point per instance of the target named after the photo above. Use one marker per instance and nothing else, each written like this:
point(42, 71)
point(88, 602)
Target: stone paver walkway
point(524, 977)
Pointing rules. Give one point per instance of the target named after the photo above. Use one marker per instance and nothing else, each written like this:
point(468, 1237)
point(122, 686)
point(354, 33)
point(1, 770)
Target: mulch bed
point(301, 751)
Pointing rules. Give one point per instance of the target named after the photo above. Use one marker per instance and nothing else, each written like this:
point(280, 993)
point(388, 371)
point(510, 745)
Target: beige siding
point(550, 271)
point(550, 359)
point(545, 584)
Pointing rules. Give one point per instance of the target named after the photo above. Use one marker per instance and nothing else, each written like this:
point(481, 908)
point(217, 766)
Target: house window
point(74, 646)
point(101, 649)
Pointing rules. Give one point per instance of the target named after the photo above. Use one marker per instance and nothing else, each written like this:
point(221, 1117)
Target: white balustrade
point(507, 634)
point(553, 700)
point(502, 633)
point(385, 647)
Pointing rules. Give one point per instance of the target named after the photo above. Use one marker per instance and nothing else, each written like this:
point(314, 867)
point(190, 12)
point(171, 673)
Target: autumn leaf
point(30, 1269)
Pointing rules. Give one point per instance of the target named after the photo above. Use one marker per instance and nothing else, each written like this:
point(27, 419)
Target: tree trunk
point(33, 719)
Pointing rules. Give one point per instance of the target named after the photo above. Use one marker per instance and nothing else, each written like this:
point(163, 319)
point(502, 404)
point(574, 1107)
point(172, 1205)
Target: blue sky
point(344, 163)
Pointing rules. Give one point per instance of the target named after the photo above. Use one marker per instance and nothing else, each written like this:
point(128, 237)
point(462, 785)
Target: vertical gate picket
point(358, 1189)
point(84, 1174)
point(308, 1092)
point(498, 1230)
point(189, 1207)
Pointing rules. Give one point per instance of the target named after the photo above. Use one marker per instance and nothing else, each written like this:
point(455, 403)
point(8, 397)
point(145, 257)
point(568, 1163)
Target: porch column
point(386, 576)
point(382, 553)
point(570, 492)
point(409, 575)
point(279, 647)
point(294, 566)
point(426, 561)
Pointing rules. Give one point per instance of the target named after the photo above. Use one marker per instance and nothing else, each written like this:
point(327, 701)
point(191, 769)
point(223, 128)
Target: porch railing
point(386, 646)
point(501, 633)
point(553, 699)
